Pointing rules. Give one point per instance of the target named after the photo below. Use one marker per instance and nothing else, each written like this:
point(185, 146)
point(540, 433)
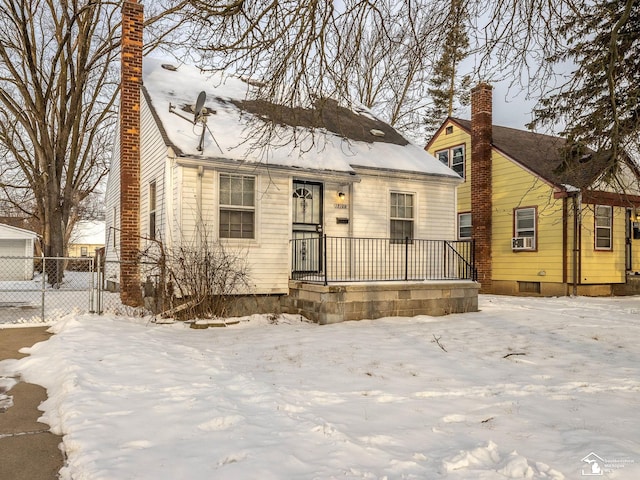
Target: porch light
point(341, 195)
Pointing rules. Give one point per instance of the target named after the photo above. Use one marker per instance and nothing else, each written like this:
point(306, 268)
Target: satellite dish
point(202, 97)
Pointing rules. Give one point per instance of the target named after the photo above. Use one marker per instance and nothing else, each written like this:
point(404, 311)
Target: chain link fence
point(44, 288)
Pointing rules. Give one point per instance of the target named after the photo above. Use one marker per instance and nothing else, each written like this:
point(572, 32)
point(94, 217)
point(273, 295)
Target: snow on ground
point(21, 301)
point(527, 388)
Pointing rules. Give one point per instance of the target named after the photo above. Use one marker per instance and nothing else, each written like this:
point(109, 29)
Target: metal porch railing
point(325, 259)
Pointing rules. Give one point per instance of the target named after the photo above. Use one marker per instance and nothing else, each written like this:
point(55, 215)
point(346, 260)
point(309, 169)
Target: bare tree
point(580, 59)
point(58, 96)
point(57, 86)
point(376, 54)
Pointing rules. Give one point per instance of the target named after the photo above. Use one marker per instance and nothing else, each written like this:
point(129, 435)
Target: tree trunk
point(54, 244)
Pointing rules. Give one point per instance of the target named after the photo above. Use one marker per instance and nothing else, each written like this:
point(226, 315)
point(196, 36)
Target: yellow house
point(88, 236)
point(545, 217)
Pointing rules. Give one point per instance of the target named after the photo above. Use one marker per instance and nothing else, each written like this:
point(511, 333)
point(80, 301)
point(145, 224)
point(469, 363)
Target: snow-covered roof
point(231, 128)
point(11, 232)
point(88, 232)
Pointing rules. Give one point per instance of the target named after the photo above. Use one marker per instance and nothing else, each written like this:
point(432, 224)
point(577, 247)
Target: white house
point(258, 197)
point(264, 180)
point(16, 245)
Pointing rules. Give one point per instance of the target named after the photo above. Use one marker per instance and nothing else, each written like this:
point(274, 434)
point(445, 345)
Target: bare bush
point(197, 280)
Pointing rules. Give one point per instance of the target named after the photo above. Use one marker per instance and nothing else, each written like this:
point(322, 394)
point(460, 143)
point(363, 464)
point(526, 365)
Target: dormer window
point(453, 158)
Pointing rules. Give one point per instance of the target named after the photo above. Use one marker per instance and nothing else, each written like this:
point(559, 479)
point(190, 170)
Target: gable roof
point(331, 138)
point(11, 232)
point(546, 155)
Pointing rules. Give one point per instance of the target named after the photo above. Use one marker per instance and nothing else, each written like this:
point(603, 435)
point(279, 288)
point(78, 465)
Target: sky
point(535, 388)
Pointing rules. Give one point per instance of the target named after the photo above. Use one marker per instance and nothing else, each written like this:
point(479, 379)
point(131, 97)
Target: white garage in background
point(16, 242)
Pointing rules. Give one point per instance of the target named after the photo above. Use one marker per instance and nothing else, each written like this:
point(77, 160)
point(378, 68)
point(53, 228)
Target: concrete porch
point(339, 302)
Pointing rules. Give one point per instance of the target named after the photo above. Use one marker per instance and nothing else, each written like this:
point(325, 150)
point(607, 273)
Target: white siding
point(112, 204)
point(434, 205)
point(336, 208)
point(267, 255)
point(16, 242)
point(153, 153)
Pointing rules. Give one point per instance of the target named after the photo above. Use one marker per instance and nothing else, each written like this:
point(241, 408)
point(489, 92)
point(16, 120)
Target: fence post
point(445, 258)
point(91, 288)
point(474, 270)
point(99, 283)
point(44, 270)
point(406, 258)
point(324, 259)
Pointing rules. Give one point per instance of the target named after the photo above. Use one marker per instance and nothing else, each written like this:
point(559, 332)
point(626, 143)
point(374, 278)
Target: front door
point(307, 226)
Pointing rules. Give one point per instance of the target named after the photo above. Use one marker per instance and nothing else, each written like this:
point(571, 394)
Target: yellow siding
point(455, 138)
point(514, 187)
point(602, 266)
point(75, 249)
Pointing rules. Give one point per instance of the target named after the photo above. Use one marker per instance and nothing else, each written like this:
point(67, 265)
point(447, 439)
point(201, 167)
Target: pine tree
point(600, 103)
point(446, 91)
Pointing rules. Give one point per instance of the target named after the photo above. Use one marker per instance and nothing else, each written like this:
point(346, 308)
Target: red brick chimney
point(131, 79)
point(481, 139)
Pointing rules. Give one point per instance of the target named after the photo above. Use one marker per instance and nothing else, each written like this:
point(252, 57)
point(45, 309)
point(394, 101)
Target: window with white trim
point(453, 158)
point(152, 210)
point(114, 229)
point(464, 226)
point(603, 227)
point(401, 217)
point(525, 223)
point(84, 251)
point(237, 206)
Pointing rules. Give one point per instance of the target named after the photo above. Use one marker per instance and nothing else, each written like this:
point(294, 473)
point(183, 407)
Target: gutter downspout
point(577, 227)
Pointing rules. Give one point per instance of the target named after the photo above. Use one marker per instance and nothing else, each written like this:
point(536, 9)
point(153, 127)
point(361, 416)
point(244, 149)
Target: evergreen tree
point(446, 91)
point(599, 104)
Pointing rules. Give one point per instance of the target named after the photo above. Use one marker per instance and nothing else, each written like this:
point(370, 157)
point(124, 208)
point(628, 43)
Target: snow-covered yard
point(525, 388)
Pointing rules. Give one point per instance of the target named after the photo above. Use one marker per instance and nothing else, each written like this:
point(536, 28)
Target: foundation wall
point(337, 303)
point(552, 289)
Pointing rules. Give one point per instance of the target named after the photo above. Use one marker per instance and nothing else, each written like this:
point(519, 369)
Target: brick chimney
point(481, 139)
point(131, 79)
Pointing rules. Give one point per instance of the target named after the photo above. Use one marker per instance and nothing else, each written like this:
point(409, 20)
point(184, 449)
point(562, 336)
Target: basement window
point(528, 287)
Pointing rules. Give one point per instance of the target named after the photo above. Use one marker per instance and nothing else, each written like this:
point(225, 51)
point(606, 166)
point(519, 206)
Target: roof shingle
point(551, 158)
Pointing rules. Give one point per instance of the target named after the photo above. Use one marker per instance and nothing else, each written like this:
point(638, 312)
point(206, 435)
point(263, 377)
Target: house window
point(443, 156)
point(401, 217)
point(453, 158)
point(84, 251)
point(152, 210)
point(448, 130)
point(528, 287)
point(115, 226)
point(237, 206)
point(525, 224)
point(464, 226)
point(603, 219)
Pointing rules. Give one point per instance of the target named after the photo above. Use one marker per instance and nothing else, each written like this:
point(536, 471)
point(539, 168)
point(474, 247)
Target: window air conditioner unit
point(522, 243)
